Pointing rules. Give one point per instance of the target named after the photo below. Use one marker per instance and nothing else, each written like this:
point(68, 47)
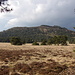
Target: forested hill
point(35, 33)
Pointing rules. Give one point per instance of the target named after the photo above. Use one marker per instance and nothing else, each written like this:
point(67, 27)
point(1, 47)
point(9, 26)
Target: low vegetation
point(44, 42)
point(35, 43)
point(15, 41)
point(58, 40)
point(31, 34)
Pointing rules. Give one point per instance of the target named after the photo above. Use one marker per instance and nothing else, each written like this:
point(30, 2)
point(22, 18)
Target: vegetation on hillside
point(31, 34)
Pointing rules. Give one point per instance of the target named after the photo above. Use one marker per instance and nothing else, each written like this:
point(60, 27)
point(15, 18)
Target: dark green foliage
point(57, 40)
point(35, 43)
point(63, 40)
point(50, 41)
point(31, 34)
point(72, 40)
point(23, 41)
point(15, 41)
point(29, 40)
point(4, 39)
point(43, 42)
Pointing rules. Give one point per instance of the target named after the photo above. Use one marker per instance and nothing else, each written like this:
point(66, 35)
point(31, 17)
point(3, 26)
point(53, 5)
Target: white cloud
point(13, 21)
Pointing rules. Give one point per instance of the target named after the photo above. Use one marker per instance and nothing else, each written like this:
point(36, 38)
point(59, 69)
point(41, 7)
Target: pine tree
point(4, 6)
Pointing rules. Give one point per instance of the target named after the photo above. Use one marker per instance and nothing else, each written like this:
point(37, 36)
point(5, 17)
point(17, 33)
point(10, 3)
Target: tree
point(72, 40)
point(4, 6)
point(50, 41)
point(58, 40)
point(29, 40)
point(63, 40)
point(15, 41)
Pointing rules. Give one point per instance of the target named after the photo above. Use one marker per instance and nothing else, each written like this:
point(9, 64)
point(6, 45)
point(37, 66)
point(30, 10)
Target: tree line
point(57, 40)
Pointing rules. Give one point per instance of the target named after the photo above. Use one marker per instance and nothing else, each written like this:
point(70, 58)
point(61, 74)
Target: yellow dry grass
point(61, 54)
point(8, 46)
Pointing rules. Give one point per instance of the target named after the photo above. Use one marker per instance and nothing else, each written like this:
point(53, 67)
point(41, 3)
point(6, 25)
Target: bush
point(35, 43)
point(50, 41)
point(15, 41)
point(72, 40)
point(43, 42)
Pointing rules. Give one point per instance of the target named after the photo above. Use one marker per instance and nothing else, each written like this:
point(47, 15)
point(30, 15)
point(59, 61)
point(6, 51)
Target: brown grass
point(36, 60)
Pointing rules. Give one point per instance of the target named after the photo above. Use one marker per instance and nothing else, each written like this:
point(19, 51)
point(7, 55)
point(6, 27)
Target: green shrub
point(50, 41)
point(15, 41)
point(43, 42)
point(35, 43)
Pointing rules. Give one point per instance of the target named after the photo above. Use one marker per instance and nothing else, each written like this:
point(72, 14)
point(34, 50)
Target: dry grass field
point(37, 60)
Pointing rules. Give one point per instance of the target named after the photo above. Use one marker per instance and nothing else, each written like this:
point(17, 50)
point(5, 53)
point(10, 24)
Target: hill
point(35, 33)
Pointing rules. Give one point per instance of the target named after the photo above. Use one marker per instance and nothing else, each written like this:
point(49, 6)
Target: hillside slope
point(35, 33)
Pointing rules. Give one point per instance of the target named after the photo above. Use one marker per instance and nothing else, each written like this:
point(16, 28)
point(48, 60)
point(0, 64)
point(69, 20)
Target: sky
point(31, 13)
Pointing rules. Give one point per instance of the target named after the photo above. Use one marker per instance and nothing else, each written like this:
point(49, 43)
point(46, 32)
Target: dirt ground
point(11, 55)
